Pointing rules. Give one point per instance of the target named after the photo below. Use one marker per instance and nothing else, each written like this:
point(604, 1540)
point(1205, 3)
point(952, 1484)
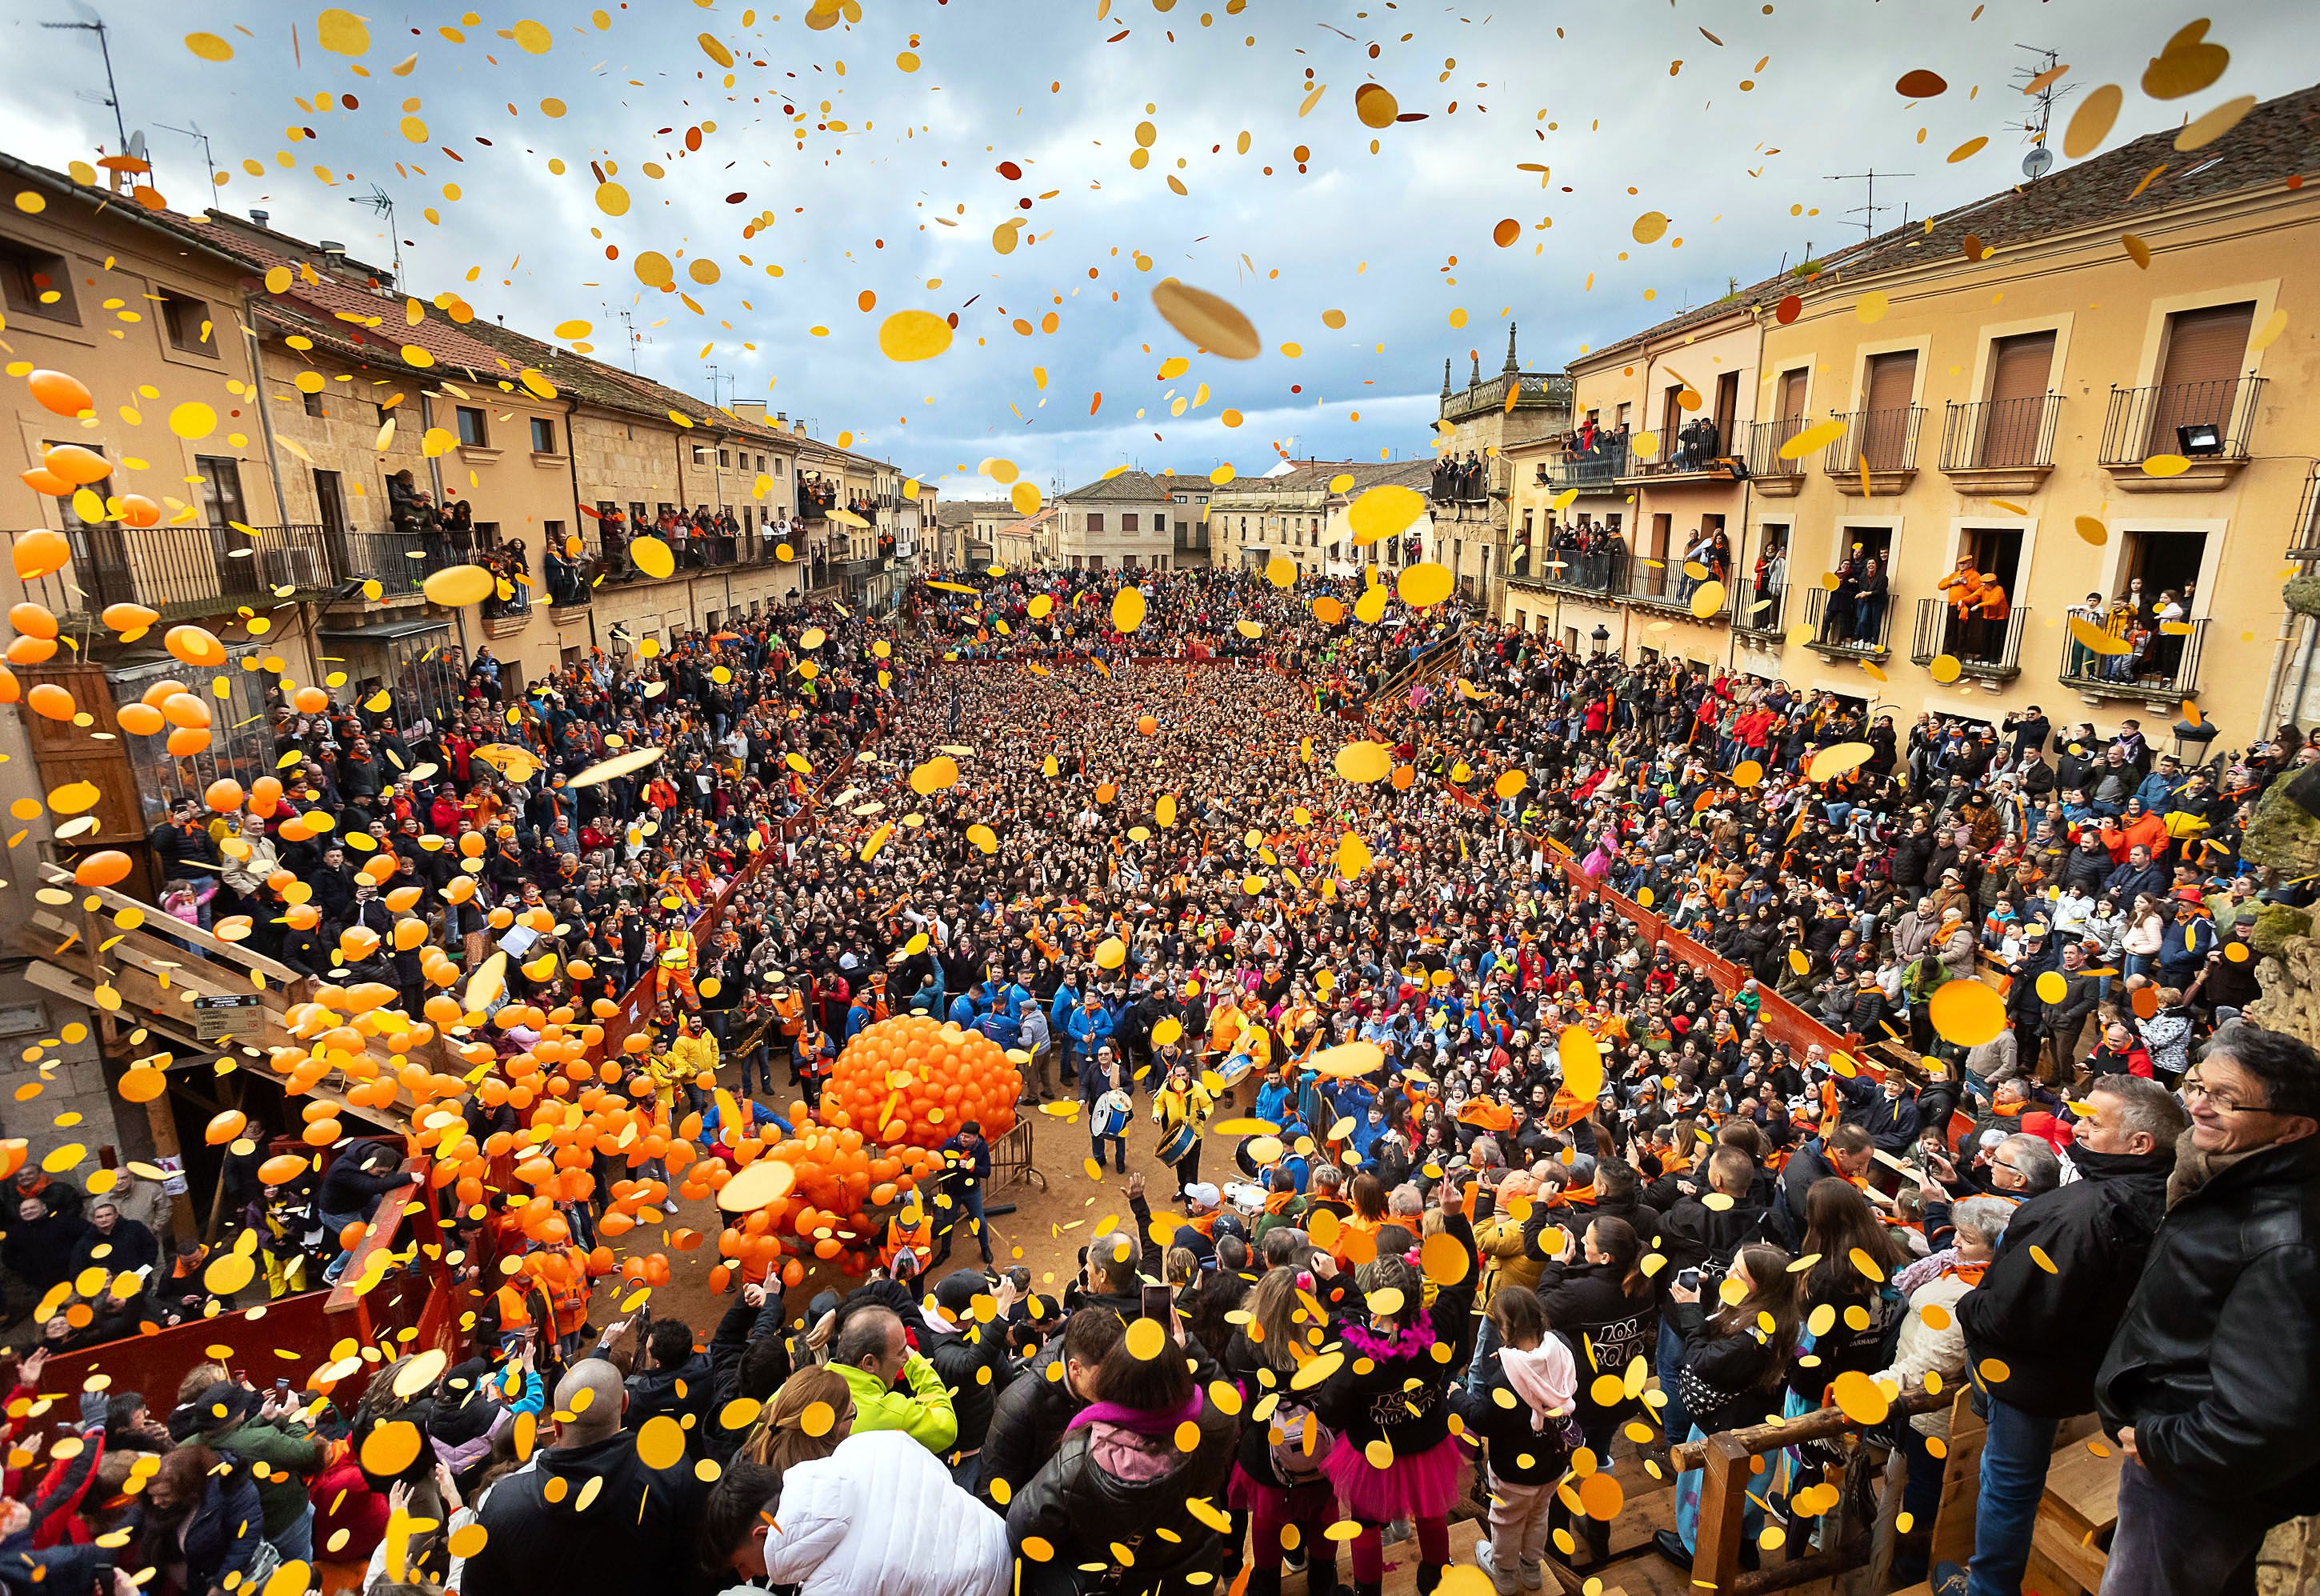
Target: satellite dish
point(136, 145)
point(2036, 164)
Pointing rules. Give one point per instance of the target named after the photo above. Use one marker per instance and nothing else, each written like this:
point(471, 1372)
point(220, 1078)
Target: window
point(102, 488)
point(2200, 379)
point(724, 458)
point(36, 283)
point(1094, 521)
point(1160, 523)
point(1127, 521)
point(543, 435)
point(221, 478)
point(638, 516)
point(312, 404)
point(473, 431)
point(186, 319)
point(330, 502)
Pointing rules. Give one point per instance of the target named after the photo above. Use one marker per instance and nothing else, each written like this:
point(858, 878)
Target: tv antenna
point(716, 377)
point(636, 338)
point(2043, 82)
point(193, 130)
point(112, 95)
point(381, 203)
point(1868, 211)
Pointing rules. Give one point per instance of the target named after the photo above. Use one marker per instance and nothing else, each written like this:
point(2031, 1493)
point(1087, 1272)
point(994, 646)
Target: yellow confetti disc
point(914, 335)
point(1967, 1013)
point(1425, 584)
point(654, 558)
point(1146, 1339)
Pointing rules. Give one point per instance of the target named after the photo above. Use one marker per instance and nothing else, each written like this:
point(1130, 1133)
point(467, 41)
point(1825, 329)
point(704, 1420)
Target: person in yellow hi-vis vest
point(693, 1053)
point(675, 963)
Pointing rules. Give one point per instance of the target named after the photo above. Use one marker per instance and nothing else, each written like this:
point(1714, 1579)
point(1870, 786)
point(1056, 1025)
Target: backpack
point(1291, 1463)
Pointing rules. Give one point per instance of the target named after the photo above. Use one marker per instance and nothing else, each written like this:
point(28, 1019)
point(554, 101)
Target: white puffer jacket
point(881, 1517)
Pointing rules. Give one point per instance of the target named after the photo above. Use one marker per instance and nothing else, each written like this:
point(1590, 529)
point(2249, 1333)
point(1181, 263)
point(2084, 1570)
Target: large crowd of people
point(1485, 1188)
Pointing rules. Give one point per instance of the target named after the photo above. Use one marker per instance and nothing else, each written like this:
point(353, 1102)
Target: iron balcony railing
point(189, 570)
point(1982, 645)
point(1758, 609)
point(2303, 542)
point(1764, 441)
point(2201, 421)
point(1695, 445)
point(1602, 570)
point(1882, 439)
point(1997, 434)
point(398, 561)
point(2163, 666)
point(1850, 628)
point(1599, 466)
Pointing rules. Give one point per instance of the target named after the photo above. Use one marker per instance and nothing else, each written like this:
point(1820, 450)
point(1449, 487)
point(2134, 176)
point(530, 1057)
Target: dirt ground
point(1043, 1233)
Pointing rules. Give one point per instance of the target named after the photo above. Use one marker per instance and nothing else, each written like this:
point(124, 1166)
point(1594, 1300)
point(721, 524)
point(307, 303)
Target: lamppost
point(1601, 637)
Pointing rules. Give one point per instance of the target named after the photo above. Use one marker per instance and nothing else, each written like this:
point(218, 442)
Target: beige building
point(966, 536)
point(1298, 513)
point(1997, 380)
point(1125, 521)
point(1474, 482)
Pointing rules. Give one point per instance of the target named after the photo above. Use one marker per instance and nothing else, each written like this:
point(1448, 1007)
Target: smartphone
point(241, 1376)
point(281, 1386)
point(101, 1575)
point(1159, 1302)
point(1688, 1279)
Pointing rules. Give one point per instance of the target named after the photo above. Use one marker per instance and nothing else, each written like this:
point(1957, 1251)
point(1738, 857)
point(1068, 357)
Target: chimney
point(750, 409)
point(798, 427)
point(333, 252)
point(259, 217)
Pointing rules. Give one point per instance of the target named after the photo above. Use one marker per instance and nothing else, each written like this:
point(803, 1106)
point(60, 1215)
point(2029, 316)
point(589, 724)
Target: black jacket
point(1499, 1418)
point(2049, 1330)
point(221, 1538)
point(1083, 1509)
point(741, 1325)
point(1695, 1236)
point(974, 1365)
point(1026, 1422)
point(2214, 1364)
point(636, 1533)
point(1808, 1163)
point(682, 1392)
point(1738, 1373)
point(1604, 1326)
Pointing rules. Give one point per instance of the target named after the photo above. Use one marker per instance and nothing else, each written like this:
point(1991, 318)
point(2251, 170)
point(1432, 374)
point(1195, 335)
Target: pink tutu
point(1300, 1505)
point(1424, 1486)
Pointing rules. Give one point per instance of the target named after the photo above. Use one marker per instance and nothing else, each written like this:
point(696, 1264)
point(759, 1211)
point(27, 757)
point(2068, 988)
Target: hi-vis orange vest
point(920, 1241)
point(790, 1007)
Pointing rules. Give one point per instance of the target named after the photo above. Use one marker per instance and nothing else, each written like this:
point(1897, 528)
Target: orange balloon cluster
point(911, 1079)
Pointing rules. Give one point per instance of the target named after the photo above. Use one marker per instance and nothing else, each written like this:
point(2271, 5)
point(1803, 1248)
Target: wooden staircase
point(2069, 1544)
point(1430, 666)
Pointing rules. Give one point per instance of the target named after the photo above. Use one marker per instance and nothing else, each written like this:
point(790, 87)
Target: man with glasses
point(2213, 1384)
point(2036, 1328)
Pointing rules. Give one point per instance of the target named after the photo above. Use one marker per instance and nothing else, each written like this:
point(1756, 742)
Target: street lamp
point(1601, 637)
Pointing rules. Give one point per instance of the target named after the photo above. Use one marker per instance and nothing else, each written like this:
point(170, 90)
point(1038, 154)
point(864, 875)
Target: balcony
point(1987, 649)
point(186, 571)
point(1593, 471)
point(2303, 542)
point(1776, 477)
point(1878, 455)
point(2206, 423)
point(2163, 675)
point(398, 561)
point(2000, 446)
point(1566, 570)
point(1838, 630)
point(1660, 585)
point(1758, 611)
point(1701, 449)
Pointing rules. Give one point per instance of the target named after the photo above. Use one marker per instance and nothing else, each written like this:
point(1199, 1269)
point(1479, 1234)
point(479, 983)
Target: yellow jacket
point(1172, 1108)
point(694, 1053)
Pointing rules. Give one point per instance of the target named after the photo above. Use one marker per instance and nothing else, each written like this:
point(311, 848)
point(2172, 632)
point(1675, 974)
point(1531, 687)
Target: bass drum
point(1178, 1142)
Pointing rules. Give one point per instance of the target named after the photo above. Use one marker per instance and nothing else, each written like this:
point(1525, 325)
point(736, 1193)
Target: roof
point(960, 513)
point(2276, 140)
point(1129, 486)
point(1177, 482)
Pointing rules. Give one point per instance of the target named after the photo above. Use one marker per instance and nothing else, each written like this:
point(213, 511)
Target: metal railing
point(1604, 570)
point(1695, 446)
point(398, 561)
point(1600, 466)
point(1764, 441)
point(2303, 542)
point(188, 570)
point(1759, 610)
point(1997, 434)
point(2164, 666)
point(2165, 420)
point(1845, 627)
point(1883, 439)
point(1983, 646)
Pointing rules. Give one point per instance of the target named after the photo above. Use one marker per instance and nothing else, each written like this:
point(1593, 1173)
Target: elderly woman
point(1932, 1344)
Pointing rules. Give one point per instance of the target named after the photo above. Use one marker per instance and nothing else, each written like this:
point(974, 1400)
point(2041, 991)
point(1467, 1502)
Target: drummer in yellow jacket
point(1182, 1105)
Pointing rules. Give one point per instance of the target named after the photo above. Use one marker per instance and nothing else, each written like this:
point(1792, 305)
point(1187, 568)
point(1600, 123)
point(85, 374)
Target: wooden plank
point(272, 969)
point(1954, 1520)
point(1820, 1425)
point(2082, 1489)
point(2076, 1565)
point(1723, 1504)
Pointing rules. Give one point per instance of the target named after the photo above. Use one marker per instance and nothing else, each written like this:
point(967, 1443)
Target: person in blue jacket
point(966, 1005)
point(1274, 1103)
point(1011, 996)
point(1060, 1010)
point(1089, 1025)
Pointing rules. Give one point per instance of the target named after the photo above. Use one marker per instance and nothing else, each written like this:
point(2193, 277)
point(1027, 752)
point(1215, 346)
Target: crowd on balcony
point(1551, 1095)
point(1457, 481)
point(2147, 633)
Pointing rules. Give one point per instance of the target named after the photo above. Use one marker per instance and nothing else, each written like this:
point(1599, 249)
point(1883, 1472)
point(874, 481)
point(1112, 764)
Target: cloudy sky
point(877, 157)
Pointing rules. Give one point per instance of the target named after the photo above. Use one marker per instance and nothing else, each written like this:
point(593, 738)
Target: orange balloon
point(138, 511)
point(282, 1169)
point(41, 480)
point(224, 794)
point(57, 392)
point(310, 700)
point(187, 740)
point(78, 466)
point(33, 621)
point(40, 553)
point(106, 869)
point(183, 709)
point(195, 646)
point(224, 1126)
point(140, 720)
point(30, 650)
point(49, 700)
point(11, 690)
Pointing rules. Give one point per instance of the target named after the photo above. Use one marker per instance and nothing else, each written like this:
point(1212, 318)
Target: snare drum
point(1247, 1200)
point(1178, 1142)
point(1235, 1069)
point(1111, 1115)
